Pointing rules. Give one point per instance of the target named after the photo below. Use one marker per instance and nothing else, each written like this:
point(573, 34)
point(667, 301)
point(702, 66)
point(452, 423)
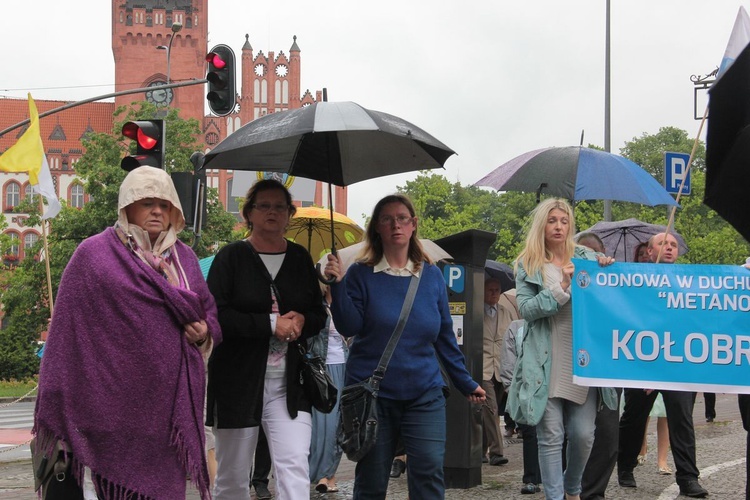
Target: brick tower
point(141, 33)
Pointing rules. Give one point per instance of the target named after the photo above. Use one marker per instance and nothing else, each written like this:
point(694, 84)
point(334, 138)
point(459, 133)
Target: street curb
point(27, 399)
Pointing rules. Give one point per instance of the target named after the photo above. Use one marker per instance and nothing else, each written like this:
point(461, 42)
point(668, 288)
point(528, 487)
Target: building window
point(76, 196)
point(212, 138)
point(189, 22)
point(14, 240)
point(28, 192)
point(12, 195)
point(233, 203)
point(149, 21)
point(29, 240)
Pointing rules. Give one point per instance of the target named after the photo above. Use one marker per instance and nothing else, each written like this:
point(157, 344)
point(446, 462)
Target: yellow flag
point(27, 155)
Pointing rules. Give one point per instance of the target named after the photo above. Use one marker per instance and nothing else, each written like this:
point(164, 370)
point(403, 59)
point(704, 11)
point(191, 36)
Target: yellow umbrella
point(311, 228)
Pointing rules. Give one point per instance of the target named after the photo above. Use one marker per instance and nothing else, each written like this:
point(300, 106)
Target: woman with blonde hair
point(542, 392)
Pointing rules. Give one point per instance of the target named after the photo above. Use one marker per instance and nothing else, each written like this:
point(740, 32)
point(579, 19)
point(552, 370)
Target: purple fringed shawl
point(118, 381)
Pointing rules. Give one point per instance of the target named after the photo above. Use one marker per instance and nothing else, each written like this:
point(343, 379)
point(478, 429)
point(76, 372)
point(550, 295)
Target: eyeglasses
point(267, 207)
point(388, 220)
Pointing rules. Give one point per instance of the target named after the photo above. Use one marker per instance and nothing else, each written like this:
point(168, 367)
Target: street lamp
point(176, 27)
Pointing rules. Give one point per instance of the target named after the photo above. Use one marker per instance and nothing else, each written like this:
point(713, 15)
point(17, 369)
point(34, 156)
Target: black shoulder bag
point(313, 377)
point(358, 429)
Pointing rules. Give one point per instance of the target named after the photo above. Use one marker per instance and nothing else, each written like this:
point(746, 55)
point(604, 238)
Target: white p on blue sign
point(455, 277)
point(675, 169)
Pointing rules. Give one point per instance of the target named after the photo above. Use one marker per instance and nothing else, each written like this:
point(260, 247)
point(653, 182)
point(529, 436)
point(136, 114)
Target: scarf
point(118, 381)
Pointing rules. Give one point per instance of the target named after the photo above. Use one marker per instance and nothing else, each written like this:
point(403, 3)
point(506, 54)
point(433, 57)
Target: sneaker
point(530, 489)
point(498, 460)
point(262, 492)
point(693, 489)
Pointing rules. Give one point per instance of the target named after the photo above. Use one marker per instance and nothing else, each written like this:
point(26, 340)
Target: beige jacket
point(492, 345)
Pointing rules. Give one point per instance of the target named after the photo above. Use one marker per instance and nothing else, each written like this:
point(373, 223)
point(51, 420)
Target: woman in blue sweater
point(366, 305)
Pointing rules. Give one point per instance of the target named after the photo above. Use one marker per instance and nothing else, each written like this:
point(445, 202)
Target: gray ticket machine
point(464, 278)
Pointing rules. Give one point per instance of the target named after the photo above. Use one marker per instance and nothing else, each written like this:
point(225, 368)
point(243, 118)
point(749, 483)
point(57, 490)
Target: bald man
point(679, 406)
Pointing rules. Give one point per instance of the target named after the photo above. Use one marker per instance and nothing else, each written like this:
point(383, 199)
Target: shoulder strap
point(396, 335)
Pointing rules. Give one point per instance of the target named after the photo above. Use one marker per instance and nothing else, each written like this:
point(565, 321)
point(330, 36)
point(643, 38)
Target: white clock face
point(161, 98)
point(281, 70)
point(260, 70)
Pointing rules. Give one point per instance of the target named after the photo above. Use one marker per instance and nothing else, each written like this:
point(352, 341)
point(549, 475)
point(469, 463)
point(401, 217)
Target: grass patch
point(494, 485)
point(16, 388)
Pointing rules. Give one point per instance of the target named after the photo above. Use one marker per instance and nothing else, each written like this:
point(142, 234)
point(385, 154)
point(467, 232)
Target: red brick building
point(266, 84)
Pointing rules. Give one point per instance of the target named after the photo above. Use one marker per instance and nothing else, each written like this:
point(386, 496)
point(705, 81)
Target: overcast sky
point(490, 78)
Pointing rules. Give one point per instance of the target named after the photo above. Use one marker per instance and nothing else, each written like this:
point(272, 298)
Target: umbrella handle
point(322, 277)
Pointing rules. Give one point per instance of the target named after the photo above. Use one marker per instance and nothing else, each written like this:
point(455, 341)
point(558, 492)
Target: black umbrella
point(728, 145)
point(335, 142)
point(501, 272)
point(620, 237)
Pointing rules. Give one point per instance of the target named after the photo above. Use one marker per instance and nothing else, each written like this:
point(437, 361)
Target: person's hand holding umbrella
point(333, 269)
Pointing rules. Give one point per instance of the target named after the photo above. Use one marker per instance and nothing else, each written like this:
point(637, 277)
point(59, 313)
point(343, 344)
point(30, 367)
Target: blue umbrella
point(206, 265)
point(578, 173)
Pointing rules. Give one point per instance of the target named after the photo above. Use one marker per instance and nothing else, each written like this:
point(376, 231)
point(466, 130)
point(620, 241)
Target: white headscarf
point(150, 182)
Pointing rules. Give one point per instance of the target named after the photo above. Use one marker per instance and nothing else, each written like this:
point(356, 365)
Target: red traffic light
point(220, 75)
point(215, 60)
point(149, 141)
point(146, 133)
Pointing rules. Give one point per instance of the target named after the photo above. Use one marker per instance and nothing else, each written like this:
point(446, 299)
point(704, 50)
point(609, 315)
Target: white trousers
point(288, 442)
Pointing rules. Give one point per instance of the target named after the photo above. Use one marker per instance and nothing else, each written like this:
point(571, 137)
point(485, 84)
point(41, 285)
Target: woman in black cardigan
point(268, 298)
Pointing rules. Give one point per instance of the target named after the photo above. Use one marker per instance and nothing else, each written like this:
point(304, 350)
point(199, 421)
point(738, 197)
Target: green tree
point(446, 208)
point(24, 289)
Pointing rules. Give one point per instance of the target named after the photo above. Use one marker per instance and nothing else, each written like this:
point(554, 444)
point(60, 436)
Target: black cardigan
point(237, 367)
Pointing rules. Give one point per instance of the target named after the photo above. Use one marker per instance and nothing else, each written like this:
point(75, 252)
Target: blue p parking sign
point(675, 169)
point(455, 277)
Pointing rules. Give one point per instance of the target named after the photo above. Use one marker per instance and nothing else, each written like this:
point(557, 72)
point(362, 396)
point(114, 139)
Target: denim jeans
point(420, 423)
point(564, 418)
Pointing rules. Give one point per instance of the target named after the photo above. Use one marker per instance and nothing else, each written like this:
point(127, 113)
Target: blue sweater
point(367, 305)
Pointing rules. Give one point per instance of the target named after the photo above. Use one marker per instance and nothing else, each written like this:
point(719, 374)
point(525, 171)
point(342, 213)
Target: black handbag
point(316, 382)
point(53, 465)
point(358, 407)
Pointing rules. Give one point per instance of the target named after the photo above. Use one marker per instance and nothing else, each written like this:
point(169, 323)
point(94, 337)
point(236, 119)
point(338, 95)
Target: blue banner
point(662, 326)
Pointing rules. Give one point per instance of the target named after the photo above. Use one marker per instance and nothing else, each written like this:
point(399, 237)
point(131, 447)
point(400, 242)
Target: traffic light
point(221, 87)
point(149, 139)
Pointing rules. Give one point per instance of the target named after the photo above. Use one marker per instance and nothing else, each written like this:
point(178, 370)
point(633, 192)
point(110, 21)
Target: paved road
point(16, 421)
point(720, 449)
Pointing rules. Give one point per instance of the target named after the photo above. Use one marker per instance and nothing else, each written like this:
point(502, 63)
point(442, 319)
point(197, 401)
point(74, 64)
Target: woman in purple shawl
point(122, 379)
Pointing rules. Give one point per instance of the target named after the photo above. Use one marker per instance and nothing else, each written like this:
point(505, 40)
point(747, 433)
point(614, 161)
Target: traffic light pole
point(105, 96)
